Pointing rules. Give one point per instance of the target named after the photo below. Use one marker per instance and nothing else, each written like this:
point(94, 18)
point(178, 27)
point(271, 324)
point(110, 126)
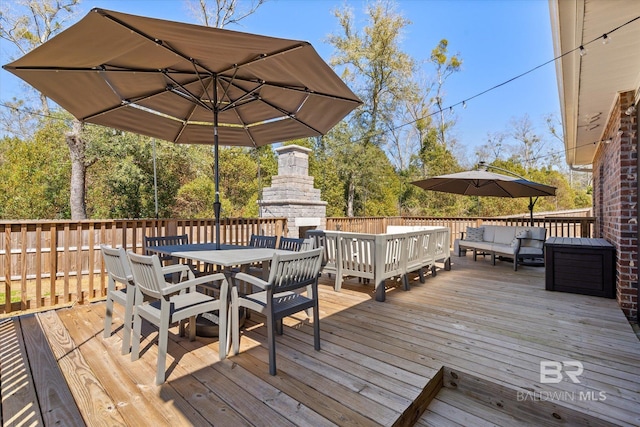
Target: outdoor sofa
point(516, 242)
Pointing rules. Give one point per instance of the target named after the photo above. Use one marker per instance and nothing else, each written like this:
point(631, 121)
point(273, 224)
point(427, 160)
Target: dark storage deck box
point(581, 266)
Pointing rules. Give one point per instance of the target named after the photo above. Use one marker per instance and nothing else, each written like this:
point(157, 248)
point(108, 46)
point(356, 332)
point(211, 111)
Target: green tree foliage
point(363, 166)
point(379, 72)
point(34, 175)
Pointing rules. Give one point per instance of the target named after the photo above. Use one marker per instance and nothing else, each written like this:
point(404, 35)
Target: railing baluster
point(35, 250)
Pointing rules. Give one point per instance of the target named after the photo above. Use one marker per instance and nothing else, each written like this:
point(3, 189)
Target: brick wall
point(615, 200)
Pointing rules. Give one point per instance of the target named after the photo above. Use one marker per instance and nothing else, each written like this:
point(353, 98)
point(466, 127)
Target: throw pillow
point(514, 243)
point(524, 234)
point(474, 234)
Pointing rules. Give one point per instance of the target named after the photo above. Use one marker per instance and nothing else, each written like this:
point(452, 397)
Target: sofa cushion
point(481, 246)
point(536, 237)
point(474, 234)
point(503, 249)
point(489, 232)
point(529, 250)
point(523, 234)
point(504, 235)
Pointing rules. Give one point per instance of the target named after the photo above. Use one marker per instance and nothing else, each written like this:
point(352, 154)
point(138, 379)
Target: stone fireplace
point(292, 194)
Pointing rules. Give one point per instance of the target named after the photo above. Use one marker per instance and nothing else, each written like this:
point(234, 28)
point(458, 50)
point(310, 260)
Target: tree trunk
point(78, 171)
point(351, 197)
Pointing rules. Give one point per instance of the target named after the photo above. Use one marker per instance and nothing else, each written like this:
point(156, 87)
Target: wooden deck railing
point(51, 263)
point(556, 226)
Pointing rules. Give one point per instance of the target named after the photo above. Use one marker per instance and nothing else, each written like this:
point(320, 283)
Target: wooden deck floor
point(471, 339)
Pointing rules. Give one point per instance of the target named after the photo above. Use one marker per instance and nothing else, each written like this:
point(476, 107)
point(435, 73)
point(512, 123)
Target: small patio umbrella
point(484, 183)
point(187, 83)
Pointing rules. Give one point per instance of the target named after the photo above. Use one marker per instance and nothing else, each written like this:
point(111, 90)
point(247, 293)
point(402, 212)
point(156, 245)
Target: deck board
point(376, 358)
point(20, 404)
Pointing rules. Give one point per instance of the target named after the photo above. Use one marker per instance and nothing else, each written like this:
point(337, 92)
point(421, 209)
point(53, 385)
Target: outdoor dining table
point(227, 256)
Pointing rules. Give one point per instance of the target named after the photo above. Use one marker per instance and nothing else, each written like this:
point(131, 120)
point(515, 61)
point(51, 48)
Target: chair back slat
point(293, 271)
point(116, 264)
point(308, 244)
point(259, 241)
point(164, 241)
point(290, 243)
point(147, 274)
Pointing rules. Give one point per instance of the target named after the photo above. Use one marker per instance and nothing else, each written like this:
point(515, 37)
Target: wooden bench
point(378, 257)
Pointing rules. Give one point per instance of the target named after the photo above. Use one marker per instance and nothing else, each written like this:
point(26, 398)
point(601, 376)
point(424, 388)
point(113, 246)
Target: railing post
point(7, 268)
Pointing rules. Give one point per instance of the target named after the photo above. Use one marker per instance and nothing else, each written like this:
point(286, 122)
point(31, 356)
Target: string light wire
point(464, 102)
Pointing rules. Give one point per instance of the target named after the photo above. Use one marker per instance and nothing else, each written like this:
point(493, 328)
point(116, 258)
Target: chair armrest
point(178, 268)
point(253, 280)
point(462, 235)
point(192, 283)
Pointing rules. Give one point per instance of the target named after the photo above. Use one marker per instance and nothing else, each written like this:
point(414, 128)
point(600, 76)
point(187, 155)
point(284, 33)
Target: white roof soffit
point(588, 84)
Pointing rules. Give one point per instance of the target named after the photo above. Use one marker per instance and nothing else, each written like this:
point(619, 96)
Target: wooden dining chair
point(280, 297)
point(290, 243)
point(118, 273)
point(260, 241)
point(173, 303)
point(153, 241)
point(121, 289)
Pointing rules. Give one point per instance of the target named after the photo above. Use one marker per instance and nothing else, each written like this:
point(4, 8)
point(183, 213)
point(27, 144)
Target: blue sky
point(497, 40)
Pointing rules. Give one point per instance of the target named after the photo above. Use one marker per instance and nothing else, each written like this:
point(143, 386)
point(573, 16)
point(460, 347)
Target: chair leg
point(235, 320)
point(128, 320)
point(310, 294)
point(271, 342)
point(163, 336)
point(137, 327)
point(405, 281)
point(108, 317)
point(192, 328)
point(316, 326)
point(223, 330)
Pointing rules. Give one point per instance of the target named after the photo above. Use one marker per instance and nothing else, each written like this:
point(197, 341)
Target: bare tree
point(523, 131)
point(445, 65)
point(221, 13)
point(492, 150)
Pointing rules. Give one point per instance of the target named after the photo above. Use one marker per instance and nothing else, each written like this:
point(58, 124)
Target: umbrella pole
point(531, 205)
point(216, 203)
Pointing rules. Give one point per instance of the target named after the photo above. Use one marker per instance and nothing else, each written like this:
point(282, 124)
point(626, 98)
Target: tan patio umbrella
point(187, 83)
point(484, 183)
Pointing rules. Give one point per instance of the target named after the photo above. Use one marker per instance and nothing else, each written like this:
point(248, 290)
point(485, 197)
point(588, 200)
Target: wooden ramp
point(391, 363)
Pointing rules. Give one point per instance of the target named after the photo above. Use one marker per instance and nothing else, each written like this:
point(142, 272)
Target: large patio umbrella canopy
point(187, 83)
point(485, 183)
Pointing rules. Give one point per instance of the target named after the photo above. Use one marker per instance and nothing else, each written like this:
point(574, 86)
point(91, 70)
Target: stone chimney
point(292, 195)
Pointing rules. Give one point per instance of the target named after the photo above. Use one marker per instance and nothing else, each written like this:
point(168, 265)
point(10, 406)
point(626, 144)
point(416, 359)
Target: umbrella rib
point(187, 94)
point(154, 40)
point(265, 56)
point(291, 116)
point(168, 72)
